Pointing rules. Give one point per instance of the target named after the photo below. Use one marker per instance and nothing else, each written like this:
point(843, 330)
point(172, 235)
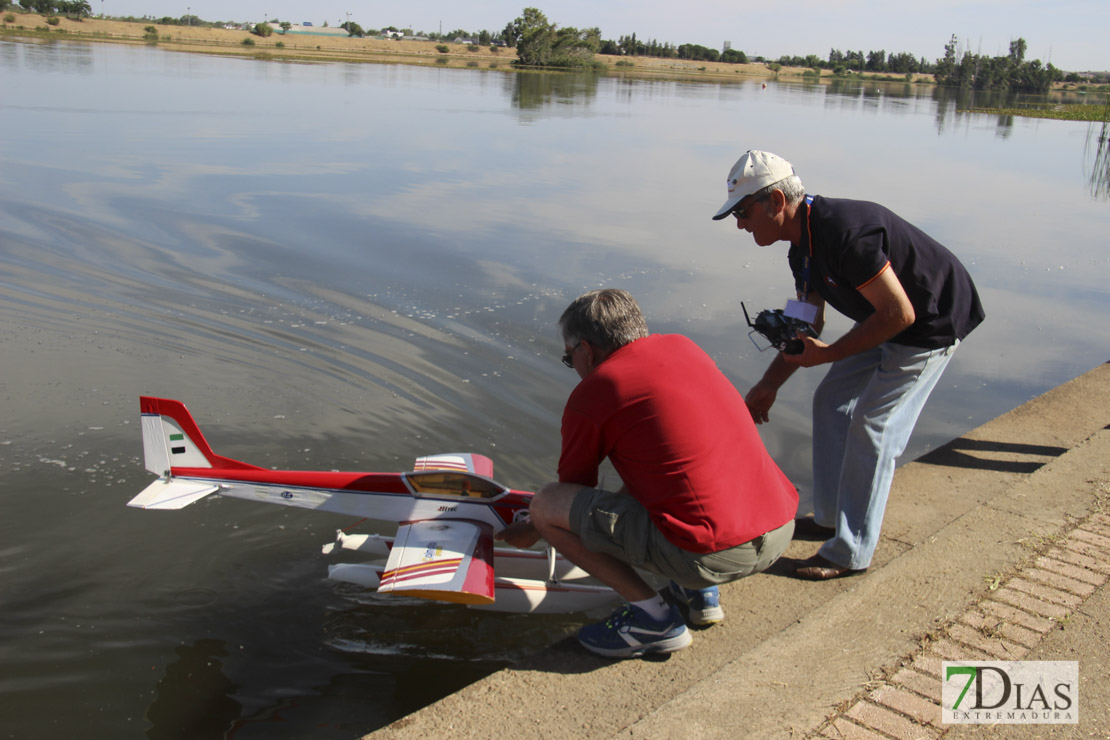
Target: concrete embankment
point(995, 547)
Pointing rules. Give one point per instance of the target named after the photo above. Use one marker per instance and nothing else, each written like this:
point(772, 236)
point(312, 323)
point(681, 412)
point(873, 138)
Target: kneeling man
point(702, 501)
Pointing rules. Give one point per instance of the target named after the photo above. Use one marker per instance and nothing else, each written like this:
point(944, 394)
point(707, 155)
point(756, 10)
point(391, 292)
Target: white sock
point(656, 607)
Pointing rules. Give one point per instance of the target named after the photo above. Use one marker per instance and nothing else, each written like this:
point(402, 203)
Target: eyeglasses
point(568, 358)
point(742, 212)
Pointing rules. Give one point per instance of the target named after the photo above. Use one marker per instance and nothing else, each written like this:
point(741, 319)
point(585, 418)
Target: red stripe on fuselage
point(365, 482)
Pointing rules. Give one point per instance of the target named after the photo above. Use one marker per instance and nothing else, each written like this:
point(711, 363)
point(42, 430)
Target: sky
point(1071, 34)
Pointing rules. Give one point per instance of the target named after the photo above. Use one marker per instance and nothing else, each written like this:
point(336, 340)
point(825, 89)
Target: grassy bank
point(304, 48)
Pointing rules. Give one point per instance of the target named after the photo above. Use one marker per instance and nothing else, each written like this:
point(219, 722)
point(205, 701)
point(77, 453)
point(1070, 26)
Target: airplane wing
point(442, 559)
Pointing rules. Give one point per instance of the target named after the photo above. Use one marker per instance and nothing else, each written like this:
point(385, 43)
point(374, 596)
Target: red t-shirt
point(681, 439)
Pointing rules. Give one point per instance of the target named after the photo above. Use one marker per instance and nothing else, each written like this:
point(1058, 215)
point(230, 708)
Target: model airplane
point(448, 509)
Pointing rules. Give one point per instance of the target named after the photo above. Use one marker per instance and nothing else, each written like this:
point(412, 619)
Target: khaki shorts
point(617, 524)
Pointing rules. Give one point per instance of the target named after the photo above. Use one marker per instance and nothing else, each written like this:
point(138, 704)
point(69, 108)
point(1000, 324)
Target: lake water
point(346, 266)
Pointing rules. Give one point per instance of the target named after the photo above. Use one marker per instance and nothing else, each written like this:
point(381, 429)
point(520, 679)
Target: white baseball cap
point(754, 171)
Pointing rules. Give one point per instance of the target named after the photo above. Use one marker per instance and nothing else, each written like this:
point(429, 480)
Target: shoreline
point(336, 48)
point(305, 48)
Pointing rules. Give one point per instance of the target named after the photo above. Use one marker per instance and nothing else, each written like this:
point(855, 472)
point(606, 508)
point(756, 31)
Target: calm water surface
point(347, 266)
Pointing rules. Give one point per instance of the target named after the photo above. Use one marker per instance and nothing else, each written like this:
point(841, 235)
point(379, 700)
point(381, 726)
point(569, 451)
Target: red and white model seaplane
point(448, 509)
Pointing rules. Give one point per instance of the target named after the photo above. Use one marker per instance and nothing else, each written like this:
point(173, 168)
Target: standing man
point(912, 302)
point(702, 501)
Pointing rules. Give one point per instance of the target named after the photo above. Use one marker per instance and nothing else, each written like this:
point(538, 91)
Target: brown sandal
point(818, 568)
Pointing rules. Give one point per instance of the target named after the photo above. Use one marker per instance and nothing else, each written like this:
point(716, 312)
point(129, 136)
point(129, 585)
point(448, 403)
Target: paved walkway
point(995, 547)
point(1054, 608)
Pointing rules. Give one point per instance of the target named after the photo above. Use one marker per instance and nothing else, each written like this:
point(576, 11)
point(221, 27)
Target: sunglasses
point(568, 358)
point(742, 212)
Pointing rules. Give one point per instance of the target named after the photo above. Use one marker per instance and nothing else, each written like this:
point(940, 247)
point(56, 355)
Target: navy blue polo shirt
point(847, 243)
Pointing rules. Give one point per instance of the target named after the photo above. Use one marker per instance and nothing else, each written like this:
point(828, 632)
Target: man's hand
point(519, 534)
point(893, 313)
point(760, 399)
point(814, 352)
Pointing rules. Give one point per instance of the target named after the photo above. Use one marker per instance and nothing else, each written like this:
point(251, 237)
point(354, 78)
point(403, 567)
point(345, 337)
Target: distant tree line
point(540, 43)
point(187, 20)
point(83, 9)
point(74, 8)
point(1010, 72)
point(540, 40)
point(842, 62)
point(631, 46)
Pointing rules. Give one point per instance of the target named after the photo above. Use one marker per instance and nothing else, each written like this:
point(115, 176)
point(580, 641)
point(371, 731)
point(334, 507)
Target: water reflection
point(193, 700)
point(48, 56)
point(950, 105)
point(1097, 151)
point(536, 90)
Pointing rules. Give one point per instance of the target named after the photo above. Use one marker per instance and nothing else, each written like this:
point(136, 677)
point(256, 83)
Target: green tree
point(285, 26)
point(540, 43)
point(608, 46)
point(698, 53)
point(532, 35)
point(1008, 72)
point(903, 63)
point(946, 65)
point(511, 33)
point(74, 9)
point(352, 29)
point(876, 61)
point(734, 56)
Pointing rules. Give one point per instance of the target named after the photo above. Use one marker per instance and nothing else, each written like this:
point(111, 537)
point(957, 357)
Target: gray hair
point(607, 319)
point(791, 187)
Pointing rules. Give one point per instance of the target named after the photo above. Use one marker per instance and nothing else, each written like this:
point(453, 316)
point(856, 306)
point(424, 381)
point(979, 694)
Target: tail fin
point(171, 439)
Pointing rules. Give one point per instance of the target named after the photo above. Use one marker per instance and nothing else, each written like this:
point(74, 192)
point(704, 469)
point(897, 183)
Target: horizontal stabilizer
point(171, 494)
point(444, 560)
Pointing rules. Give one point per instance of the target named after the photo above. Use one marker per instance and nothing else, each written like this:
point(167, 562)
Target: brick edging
point(1005, 625)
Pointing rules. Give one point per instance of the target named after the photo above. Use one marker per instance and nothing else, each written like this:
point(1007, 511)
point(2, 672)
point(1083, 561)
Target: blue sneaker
point(704, 603)
point(630, 632)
